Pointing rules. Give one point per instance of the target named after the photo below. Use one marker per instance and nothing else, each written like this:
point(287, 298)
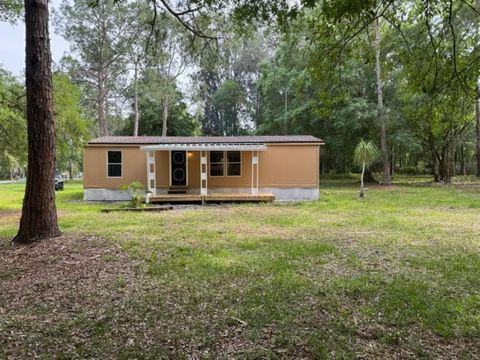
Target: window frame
point(233, 162)
point(210, 163)
point(120, 163)
point(225, 163)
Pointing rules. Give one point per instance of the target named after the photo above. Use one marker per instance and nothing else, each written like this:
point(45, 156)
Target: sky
point(12, 45)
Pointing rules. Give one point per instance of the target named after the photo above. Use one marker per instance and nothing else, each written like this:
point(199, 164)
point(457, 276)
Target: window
point(217, 163)
point(234, 165)
point(114, 163)
point(225, 163)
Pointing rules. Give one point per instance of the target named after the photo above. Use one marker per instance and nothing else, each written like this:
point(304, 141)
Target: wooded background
point(404, 74)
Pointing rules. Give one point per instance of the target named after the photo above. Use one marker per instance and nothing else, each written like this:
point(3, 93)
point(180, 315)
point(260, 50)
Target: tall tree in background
point(477, 99)
point(39, 213)
point(167, 58)
point(387, 179)
point(13, 147)
point(98, 36)
point(226, 80)
point(72, 127)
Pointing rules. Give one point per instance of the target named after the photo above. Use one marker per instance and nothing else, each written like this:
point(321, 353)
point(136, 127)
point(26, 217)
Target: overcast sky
point(12, 45)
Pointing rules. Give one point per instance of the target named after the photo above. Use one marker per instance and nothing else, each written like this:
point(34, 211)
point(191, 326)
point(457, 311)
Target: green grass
point(323, 279)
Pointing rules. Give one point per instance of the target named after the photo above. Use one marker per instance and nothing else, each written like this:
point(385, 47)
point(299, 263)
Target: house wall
point(288, 170)
point(287, 166)
point(95, 167)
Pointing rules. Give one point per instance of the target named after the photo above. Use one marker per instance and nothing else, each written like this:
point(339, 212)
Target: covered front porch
point(204, 172)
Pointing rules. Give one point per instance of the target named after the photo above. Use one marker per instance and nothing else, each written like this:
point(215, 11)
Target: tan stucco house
point(280, 167)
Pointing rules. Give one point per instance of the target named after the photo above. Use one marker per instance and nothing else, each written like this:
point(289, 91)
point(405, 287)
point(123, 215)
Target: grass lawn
point(394, 276)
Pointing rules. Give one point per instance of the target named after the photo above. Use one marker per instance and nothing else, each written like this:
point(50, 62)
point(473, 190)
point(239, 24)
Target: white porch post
point(203, 173)
point(254, 172)
point(151, 183)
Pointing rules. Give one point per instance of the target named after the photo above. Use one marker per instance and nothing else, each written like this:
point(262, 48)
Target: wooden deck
point(216, 197)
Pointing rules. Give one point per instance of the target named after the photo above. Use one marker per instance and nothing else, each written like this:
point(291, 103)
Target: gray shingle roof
point(144, 140)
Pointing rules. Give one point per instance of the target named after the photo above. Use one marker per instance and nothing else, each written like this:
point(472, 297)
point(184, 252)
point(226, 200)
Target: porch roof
point(154, 140)
point(206, 147)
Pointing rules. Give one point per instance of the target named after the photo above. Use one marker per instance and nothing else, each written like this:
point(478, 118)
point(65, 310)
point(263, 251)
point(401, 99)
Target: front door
point(179, 168)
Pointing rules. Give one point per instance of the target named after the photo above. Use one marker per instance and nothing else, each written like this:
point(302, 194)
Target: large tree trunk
point(39, 213)
point(477, 127)
point(137, 114)
point(445, 165)
point(165, 115)
point(387, 180)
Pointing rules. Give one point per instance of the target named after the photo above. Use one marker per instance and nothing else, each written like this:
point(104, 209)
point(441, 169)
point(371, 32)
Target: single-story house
point(203, 167)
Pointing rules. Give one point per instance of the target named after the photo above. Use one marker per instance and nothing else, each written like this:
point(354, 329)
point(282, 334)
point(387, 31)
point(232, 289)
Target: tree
point(13, 127)
point(10, 10)
point(72, 127)
point(39, 213)
point(228, 101)
point(387, 180)
point(233, 66)
point(365, 155)
point(167, 58)
point(99, 40)
point(179, 122)
point(439, 70)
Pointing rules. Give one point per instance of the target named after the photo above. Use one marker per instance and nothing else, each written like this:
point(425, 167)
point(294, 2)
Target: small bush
point(134, 189)
point(419, 169)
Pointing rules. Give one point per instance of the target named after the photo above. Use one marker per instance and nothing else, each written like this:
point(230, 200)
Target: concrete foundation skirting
point(294, 194)
point(105, 195)
point(283, 194)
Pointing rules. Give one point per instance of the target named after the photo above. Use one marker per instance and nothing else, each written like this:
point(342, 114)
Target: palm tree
point(365, 154)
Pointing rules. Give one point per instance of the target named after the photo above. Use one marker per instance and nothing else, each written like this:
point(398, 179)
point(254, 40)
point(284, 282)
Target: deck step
point(177, 190)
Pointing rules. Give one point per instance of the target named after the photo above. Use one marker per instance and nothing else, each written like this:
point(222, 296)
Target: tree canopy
point(235, 67)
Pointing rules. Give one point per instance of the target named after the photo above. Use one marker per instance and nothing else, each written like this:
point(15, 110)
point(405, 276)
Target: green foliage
point(228, 101)
point(225, 82)
point(10, 10)
point(99, 42)
point(13, 127)
point(180, 121)
point(72, 127)
point(365, 153)
point(135, 190)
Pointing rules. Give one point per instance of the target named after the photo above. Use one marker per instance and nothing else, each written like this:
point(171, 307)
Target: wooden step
point(177, 190)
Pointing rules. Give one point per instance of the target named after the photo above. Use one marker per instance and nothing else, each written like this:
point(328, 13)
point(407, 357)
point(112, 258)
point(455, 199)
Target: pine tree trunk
point(102, 70)
point(137, 114)
point(477, 126)
point(39, 213)
point(383, 135)
point(165, 115)
point(70, 169)
point(101, 108)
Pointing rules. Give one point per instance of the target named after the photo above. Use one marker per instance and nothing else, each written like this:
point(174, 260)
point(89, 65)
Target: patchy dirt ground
point(65, 285)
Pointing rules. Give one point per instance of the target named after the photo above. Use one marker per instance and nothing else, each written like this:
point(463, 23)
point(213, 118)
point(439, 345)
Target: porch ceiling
point(206, 147)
